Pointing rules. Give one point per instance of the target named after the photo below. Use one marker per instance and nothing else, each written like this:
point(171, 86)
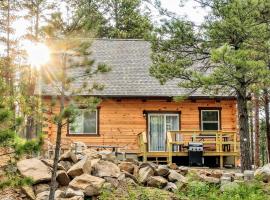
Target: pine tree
point(222, 50)
point(68, 42)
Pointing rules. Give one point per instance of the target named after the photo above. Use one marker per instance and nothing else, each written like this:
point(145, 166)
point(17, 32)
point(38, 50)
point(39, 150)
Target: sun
point(38, 54)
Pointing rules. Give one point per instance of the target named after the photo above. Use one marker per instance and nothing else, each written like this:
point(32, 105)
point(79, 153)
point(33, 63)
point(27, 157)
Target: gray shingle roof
point(129, 76)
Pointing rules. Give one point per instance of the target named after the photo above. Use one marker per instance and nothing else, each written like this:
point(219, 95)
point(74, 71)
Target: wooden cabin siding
point(120, 121)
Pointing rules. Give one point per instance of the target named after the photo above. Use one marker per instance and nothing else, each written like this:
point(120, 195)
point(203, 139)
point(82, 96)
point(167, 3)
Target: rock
point(148, 164)
point(126, 175)
point(174, 176)
point(248, 175)
point(171, 187)
point(225, 180)
point(28, 190)
point(71, 193)
point(34, 169)
point(173, 166)
point(89, 185)
point(39, 188)
point(229, 187)
point(79, 147)
point(156, 181)
point(49, 163)
point(66, 164)
point(113, 181)
point(163, 170)
point(107, 155)
point(59, 194)
point(91, 153)
point(126, 166)
point(183, 170)
point(145, 173)
point(43, 195)
point(71, 198)
point(104, 168)
point(69, 156)
point(62, 178)
point(136, 171)
point(209, 179)
point(263, 173)
point(239, 176)
point(216, 173)
point(81, 167)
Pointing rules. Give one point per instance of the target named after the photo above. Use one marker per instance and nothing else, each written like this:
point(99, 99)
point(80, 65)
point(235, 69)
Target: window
point(210, 120)
point(84, 123)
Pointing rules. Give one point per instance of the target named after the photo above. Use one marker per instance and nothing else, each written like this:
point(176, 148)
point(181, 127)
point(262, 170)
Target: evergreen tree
point(217, 58)
point(70, 46)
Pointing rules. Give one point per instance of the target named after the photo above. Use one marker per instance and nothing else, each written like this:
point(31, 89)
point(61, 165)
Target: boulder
point(225, 180)
point(72, 193)
point(81, 167)
point(66, 164)
point(173, 166)
point(209, 179)
point(107, 155)
point(216, 173)
point(163, 170)
point(43, 195)
point(171, 187)
point(239, 176)
point(104, 168)
point(49, 163)
point(71, 198)
point(79, 147)
point(62, 178)
point(263, 173)
point(89, 185)
point(113, 181)
point(38, 188)
point(229, 187)
point(174, 176)
point(183, 170)
point(156, 181)
point(69, 156)
point(126, 166)
point(126, 175)
point(145, 173)
point(34, 169)
point(91, 153)
point(248, 175)
point(29, 192)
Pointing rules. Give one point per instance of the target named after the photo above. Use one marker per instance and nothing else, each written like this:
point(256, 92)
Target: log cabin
point(140, 116)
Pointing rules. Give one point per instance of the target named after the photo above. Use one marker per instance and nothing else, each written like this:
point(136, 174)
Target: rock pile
point(86, 174)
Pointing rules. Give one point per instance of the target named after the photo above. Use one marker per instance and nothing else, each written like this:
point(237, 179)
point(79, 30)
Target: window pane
point(77, 125)
point(210, 115)
point(210, 126)
point(89, 125)
point(172, 123)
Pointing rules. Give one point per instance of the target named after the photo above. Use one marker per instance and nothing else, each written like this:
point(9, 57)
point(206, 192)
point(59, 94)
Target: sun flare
point(38, 54)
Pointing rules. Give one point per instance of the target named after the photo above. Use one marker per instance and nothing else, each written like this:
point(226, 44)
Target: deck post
point(221, 162)
point(234, 142)
point(169, 138)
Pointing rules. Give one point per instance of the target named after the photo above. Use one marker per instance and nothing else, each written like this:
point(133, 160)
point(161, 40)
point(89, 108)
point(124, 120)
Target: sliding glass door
point(158, 125)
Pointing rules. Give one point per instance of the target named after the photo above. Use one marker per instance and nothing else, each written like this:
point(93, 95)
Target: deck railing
point(142, 140)
point(214, 141)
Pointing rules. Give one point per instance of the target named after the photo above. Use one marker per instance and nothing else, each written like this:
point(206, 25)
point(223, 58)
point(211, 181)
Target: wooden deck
point(216, 143)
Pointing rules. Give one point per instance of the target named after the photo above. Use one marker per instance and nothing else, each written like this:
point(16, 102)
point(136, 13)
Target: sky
point(191, 10)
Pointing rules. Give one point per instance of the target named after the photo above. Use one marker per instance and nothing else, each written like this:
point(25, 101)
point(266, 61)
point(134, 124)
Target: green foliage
point(14, 182)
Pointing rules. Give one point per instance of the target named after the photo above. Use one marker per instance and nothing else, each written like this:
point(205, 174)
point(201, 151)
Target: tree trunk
point(257, 131)
point(267, 122)
point(251, 134)
point(243, 129)
point(59, 132)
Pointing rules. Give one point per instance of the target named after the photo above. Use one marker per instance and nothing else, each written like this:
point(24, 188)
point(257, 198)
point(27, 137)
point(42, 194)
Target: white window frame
point(218, 121)
point(96, 132)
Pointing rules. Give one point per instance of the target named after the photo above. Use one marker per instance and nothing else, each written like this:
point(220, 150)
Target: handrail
point(219, 139)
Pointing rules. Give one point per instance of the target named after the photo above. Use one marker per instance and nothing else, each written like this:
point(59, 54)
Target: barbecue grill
point(195, 153)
